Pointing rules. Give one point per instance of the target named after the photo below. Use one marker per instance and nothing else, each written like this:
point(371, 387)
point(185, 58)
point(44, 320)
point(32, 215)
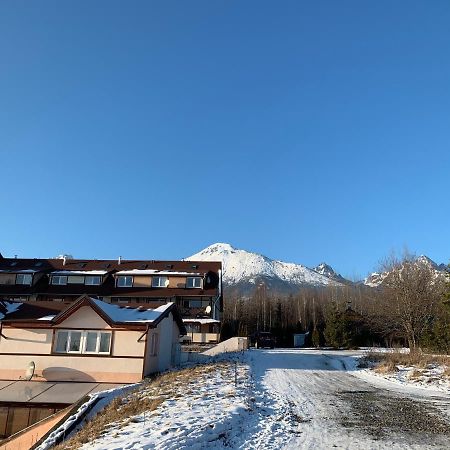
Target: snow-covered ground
point(289, 399)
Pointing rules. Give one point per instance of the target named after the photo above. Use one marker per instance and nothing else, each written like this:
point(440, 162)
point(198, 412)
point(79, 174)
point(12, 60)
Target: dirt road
point(317, 400)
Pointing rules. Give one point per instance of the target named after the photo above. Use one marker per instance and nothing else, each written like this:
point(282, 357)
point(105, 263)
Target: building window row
point(83, 342)
point(157, 282)
point(89, 280)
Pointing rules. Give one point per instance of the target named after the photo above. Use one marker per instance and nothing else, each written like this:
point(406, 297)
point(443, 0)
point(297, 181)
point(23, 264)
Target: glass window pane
point(61, 341)
point(17, 420)
point(92, 280)
point(75, 340)
point(91, 341)
point(125, 281)
point(159, 281)
point(23, 278)
point(105, 342)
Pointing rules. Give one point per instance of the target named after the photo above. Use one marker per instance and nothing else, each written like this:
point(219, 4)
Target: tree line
point(410, 308)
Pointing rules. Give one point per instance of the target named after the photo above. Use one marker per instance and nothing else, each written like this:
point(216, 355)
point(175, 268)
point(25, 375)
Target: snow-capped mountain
point(247, 270)
point(328, 271)
point(375, 279)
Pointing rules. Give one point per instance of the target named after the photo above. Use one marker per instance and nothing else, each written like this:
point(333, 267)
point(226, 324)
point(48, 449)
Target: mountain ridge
point(246, 270)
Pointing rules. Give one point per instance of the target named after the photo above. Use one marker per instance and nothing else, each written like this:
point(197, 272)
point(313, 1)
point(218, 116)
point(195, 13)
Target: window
point(24, 278)
point(193, 327)
point(87, 342)
point(93, 280)
point(154, 344)
point(59, 279)
point(160, 282)
point(75, 279)
point(124, 281)
point(197, 303)
point(193, 282)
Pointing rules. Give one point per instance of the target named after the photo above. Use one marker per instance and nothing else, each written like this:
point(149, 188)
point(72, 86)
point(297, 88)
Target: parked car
point(262, 339)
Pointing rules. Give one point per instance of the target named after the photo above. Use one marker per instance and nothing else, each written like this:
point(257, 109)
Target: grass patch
point(127, 409)
point(389, 362)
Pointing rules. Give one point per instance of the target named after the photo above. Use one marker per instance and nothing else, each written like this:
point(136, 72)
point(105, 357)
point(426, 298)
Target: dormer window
point(124, 281)
point(60, 280)
point(92, 280)
point(22, 278)
point(194, 282)
point(160, 282)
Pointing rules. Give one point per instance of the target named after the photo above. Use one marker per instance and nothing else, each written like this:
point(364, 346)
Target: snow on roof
point(9, 308)
point(19, 271)
point(79, 272)
point(201, 321)
point(155, 272)
point(47, 317)
point(134, 315)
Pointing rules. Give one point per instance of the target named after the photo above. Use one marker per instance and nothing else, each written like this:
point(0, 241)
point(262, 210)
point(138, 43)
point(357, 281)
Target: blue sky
point(306, 131)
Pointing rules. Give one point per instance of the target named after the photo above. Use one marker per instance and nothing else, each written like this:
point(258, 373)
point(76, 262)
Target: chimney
point(119, 261)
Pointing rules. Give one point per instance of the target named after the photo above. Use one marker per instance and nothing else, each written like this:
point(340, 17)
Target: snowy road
point(325, 403)
point(283, 399)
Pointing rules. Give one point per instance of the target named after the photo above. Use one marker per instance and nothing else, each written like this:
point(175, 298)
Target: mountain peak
point(219, 247)
point(326, 270)
point(243, 267)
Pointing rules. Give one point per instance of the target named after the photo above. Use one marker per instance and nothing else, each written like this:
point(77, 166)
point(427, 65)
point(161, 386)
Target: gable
point(83, 318)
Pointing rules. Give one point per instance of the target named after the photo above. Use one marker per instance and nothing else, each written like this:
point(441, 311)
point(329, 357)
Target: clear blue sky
point(306, 131)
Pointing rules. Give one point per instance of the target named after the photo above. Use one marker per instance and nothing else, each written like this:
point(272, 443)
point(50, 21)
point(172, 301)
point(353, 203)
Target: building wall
point(26, 340)
point(142, 281)
point(84, 318)
point(124, 365)
point(102, 369)
point(177, 282)
point(151, 362)
point(127, 343)
point(165, 330)
point(7, 278)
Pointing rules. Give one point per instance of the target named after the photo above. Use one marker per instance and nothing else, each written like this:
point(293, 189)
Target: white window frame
point(23, 276)
point(89, 278)
point(159, 285)
point(194, 279)
point(83, 342)
point(59, 278)
point(119, 277)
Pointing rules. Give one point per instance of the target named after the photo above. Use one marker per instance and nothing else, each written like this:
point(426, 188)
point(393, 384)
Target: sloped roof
point(115, 315)
point(11, 310)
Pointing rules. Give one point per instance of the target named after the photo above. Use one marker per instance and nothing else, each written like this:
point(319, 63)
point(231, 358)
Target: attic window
point(143, 266)
point(13, 264)
point(195, 266)
point(38, 264)
point(105, 266)
point(81, 265)
point(169, 266)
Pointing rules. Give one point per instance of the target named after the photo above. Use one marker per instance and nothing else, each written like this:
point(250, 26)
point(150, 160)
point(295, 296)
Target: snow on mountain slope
point(375, 279)
point(242, 266)
point(328, 271)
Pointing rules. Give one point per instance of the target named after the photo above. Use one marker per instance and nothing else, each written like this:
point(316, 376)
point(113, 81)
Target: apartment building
point(195, 287)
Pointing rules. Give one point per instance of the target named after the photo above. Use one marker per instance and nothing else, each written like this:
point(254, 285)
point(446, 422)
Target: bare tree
point(411, 291)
